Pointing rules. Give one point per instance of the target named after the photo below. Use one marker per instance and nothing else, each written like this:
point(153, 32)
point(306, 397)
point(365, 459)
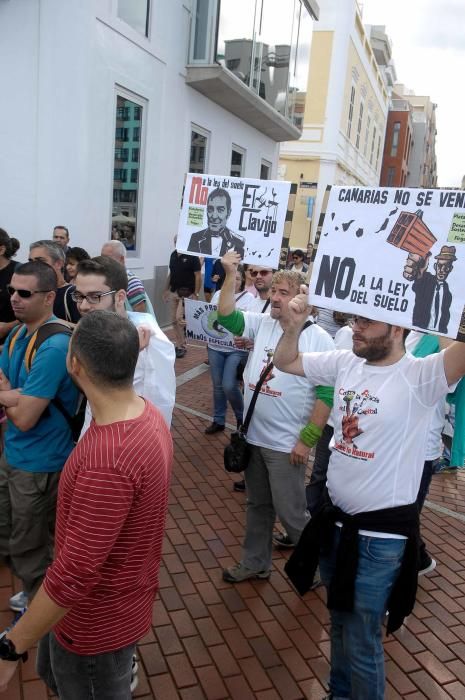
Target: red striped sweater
point(110, 519)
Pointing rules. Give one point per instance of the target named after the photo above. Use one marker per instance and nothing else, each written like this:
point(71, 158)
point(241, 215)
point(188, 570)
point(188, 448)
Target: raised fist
point(415, 266)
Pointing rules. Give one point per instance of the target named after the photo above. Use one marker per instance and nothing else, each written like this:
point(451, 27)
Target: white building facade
point(345, 115)
point(111, 102)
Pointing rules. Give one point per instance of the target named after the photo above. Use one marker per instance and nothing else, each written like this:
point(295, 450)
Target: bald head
point(115, 250)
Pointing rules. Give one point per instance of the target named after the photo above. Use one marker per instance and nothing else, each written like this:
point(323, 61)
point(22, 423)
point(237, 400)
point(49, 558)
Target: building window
point(264, 43)
point(395, 139)
point(122, 154)
point(351, 111)
point(198, 152)
point(367, 136)
point(120, 174)
point(378, 150)
point(372, 153)
point(359, 126)
point(126, 181)
point(237, 161)
point(136, 14)
point(265, 170)
point(390, 177)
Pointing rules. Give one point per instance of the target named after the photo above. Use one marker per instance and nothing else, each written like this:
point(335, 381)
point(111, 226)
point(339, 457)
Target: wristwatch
point(8, 650)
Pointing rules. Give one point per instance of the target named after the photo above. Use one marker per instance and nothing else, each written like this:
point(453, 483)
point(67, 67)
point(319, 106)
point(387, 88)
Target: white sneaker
point(18, 602)
point(134, 676)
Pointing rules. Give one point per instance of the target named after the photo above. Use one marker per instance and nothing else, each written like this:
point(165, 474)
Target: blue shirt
point(46, 446)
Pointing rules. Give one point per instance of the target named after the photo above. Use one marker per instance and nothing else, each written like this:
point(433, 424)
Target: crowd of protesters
point(87, 390)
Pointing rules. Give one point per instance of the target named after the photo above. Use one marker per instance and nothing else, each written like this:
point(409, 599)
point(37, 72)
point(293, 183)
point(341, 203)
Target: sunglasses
point(25, 293)
point(262, 273)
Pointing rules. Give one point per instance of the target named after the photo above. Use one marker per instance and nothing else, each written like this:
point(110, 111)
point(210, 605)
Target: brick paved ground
point(260, 640)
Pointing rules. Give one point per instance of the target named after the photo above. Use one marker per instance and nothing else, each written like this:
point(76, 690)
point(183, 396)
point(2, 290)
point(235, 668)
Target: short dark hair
point(11, 244)
point(107, 345)
point(63, 227)
point(220, 192)
point(77, 253)
point(45, 275)
point(299, 253)
point(114, 274)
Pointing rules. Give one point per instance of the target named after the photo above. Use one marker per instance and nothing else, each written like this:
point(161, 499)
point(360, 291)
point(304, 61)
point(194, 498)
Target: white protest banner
point(202, 324)
point(233, 213)
point(393, 255)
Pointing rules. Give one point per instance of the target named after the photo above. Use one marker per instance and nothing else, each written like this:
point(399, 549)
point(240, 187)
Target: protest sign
point(202, 324)
point(393, 255)
point(233, 213)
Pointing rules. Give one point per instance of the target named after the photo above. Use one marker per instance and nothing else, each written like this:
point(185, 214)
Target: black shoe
point(282, 540)
point(239, 486)
point(427, 564)
point(214, 428)
point(180, 352)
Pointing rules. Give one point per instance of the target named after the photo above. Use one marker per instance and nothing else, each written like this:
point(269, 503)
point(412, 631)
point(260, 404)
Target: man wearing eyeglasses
point(38, 439)
point(287, 421)
point(384, 400)
point(101, 285)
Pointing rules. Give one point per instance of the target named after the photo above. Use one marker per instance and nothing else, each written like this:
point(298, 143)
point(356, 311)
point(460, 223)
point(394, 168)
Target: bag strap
point(258, 386)
point(256, 392)
point(267, 303)
point(241, 295)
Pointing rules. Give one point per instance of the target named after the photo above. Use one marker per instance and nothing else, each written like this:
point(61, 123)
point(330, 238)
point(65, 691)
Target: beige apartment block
point(345, 114)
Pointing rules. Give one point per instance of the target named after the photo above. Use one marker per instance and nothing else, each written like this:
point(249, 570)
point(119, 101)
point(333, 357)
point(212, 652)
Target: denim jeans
point(223, 368)
point(357, 656)
point(75, 677)
point(275, 487)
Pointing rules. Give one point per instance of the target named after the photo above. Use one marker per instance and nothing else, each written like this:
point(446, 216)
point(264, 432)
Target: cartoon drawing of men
point(217, 239)
point(432, 294)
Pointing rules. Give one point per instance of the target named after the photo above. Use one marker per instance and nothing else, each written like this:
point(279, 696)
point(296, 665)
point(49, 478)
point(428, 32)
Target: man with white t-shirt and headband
point(383, 404)
point(280, 433)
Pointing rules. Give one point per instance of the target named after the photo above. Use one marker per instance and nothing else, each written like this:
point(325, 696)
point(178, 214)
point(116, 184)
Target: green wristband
point(310, 434)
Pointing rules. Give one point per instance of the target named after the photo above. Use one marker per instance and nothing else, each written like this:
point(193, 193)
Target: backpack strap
point(40, 336)
point(14, 337)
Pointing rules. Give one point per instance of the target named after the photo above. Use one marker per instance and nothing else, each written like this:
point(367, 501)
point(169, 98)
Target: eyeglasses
point(262, 273)
point(361, 322)
point(26, 293)
point(92, 298)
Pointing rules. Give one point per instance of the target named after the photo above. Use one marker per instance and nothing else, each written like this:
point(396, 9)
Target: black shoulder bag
point(236, 454)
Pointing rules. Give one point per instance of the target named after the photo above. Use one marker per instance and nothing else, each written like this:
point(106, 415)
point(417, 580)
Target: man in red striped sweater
point(97, 597)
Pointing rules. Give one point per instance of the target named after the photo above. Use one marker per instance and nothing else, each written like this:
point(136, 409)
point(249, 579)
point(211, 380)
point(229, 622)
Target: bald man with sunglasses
point(38, 440)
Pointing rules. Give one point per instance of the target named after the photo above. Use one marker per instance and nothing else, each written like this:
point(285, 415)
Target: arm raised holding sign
point(287, 357)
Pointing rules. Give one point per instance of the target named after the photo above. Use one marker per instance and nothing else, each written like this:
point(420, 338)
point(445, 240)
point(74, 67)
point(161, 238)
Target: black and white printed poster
point(221, 213)
point(394, 255)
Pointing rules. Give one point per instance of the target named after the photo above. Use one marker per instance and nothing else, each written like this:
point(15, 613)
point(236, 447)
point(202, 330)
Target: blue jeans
point(357, 656)
point(75, 677)
point(223, 368)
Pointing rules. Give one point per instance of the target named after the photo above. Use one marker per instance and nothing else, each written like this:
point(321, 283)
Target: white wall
point(57, 130)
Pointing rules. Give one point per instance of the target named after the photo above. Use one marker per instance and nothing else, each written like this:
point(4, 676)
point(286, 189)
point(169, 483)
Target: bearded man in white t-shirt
point(287, 421)
point(383, 403)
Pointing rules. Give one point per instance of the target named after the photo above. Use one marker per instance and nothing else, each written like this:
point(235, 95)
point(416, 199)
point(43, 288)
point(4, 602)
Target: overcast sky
point(428, 49)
